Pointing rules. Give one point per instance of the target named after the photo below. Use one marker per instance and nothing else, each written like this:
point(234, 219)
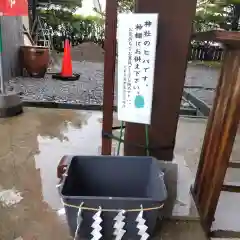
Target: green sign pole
point(2, 87)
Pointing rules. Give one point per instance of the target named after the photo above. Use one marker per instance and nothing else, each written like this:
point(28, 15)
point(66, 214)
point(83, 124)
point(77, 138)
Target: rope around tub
point(112, 210)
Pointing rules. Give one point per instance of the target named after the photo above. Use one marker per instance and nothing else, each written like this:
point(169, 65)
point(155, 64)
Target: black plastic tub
point(113, 183)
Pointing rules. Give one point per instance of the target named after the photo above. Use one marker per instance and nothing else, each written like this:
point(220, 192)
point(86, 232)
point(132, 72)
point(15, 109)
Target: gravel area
point(88, 90)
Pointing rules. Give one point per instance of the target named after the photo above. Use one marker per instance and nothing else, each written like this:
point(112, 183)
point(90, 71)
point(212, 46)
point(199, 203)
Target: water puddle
point(72, 140)
point(33, 145)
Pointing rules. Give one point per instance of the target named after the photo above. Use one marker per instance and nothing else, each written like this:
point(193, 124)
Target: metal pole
point(10, 102)
point(2, 86)
point(109, 73)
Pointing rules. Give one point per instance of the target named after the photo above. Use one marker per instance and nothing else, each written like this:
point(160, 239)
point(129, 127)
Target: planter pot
point(35, 60)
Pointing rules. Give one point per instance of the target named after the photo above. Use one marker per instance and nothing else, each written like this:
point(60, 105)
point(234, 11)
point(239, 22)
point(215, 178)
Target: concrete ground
point(32, 145)
point(202, 81)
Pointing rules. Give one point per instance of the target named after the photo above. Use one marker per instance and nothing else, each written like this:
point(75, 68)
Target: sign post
point(136, 62)
point(109, 74)
point(175, 29)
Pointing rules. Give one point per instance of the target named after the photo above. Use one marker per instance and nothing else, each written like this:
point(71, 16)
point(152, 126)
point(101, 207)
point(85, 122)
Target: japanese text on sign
point(136, 61)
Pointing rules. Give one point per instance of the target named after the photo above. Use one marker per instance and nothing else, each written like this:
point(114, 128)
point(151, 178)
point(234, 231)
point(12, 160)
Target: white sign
point(137, 34)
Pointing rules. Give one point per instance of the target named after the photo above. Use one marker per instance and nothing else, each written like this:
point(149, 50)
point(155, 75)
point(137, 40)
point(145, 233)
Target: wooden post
point(175, 25)
point(221, 129)
point(109, 73)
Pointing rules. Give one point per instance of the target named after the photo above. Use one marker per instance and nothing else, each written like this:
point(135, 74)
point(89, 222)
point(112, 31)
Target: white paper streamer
point(119, 225)
point(79, 221)
point(96, 233)
point(142, 226)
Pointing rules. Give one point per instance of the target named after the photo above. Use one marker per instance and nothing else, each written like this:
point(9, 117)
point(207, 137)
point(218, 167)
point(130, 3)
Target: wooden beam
point(219, 138)
point(225, 234)
point(171, 61)
point(109, 73)
point(231, 188)
point(226, 37)
point(234, 165)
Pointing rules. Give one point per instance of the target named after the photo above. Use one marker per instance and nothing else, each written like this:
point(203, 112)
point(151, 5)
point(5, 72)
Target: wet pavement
point(32, 145)
point(190, 136)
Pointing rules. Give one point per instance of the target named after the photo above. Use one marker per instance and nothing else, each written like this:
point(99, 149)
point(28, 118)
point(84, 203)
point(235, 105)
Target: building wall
point(25, 21)
point(12, 39)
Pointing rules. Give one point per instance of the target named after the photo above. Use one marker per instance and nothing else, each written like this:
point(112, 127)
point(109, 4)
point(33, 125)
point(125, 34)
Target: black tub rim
point(63, 180)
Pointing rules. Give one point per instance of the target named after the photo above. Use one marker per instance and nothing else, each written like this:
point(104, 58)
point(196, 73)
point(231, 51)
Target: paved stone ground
point(206, 96)
point(201, 75)
point(88, 89)
point(204, 80)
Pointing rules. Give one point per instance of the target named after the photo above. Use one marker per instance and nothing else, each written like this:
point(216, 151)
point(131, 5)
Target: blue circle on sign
point(139, 101)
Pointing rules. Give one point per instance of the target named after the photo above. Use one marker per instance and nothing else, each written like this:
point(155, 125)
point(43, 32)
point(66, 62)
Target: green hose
point(147, 140)
point(119, 142)
point(121, 135)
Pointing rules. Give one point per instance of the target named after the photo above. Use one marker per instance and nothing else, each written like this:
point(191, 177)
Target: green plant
point(64, 23)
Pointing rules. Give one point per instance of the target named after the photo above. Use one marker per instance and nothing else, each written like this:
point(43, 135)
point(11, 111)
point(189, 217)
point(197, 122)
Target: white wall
point(25, 21)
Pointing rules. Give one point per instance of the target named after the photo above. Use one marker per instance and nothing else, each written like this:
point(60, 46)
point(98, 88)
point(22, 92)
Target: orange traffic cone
point(66, 73)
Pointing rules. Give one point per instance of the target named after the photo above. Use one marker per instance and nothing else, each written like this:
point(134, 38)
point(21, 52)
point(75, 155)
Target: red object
point(14, 7)
point(67, 60)
point(66, 73)
point(61, 168)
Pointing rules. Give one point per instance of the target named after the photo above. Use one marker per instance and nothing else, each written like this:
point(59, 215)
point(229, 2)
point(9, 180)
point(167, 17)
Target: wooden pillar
point(109, 73)
point(221, 129)
point(175, 25)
